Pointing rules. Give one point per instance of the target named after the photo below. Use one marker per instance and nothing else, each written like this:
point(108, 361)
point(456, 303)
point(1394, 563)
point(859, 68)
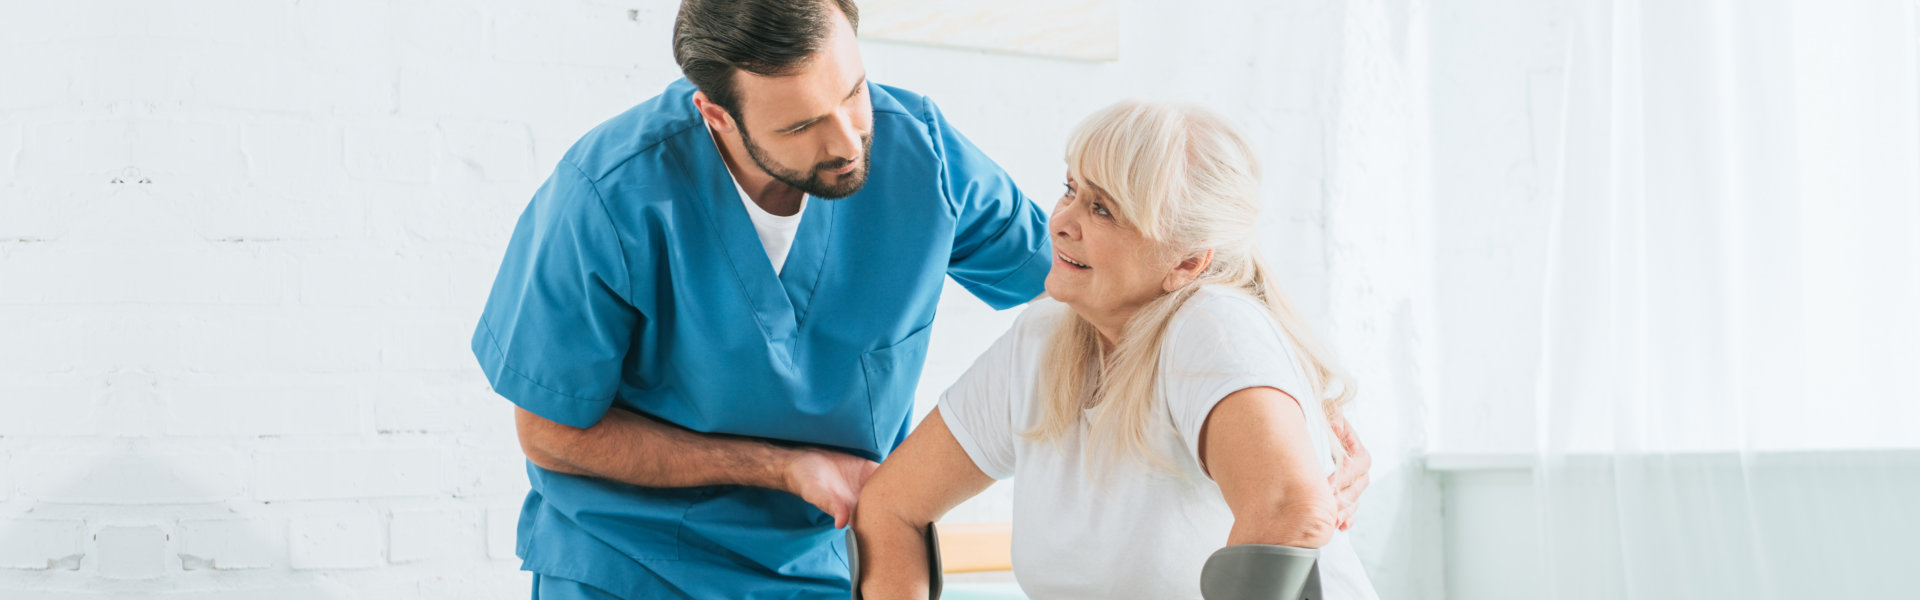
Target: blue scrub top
point(635, 279)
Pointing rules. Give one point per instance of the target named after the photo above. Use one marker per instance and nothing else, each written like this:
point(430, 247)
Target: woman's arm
point(927, 476)
point(1255, 445)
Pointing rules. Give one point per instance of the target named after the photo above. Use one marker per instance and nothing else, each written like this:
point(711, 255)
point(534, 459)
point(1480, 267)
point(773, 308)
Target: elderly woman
point(1164, 403)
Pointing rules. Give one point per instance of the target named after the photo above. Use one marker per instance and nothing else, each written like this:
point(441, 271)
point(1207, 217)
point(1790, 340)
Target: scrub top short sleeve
point(557, 324)
point(1001, 252)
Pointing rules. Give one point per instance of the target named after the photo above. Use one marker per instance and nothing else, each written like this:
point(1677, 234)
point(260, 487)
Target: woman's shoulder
point(1040, 317)
point(1224, 331)
point(1021, 344)
point(1218, 310)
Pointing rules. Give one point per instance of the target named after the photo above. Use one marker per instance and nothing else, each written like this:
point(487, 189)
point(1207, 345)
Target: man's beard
point(810, 183)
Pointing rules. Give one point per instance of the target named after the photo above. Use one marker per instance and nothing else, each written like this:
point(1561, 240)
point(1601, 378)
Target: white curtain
point(1726, 402)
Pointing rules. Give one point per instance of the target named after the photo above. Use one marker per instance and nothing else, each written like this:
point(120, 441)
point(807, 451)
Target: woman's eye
point(1101, 210)
point(1069, 187)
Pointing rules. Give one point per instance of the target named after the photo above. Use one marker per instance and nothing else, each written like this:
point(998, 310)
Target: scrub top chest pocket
point(892, 373)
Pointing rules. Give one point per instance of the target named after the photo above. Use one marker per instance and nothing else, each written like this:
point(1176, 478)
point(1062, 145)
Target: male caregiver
point(712, 316)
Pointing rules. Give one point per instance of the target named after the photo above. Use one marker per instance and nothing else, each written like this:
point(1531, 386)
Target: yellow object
point(976, 547)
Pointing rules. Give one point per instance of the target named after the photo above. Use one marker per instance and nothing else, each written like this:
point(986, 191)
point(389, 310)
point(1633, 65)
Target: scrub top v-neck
point(776, 232)
point(636, 280)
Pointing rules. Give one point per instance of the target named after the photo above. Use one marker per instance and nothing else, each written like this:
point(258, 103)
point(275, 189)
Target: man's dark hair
point(713, 39)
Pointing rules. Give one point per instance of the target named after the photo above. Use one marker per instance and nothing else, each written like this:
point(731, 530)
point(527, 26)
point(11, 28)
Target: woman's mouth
point(1070, 262)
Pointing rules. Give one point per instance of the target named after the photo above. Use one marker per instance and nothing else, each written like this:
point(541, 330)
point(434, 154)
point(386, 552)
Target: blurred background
point(1630, 287)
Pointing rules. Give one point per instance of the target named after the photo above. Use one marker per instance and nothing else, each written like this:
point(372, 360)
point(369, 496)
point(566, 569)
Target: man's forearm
point(633, 448)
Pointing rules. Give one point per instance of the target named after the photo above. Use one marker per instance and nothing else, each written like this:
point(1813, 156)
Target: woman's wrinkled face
point(1102, 268)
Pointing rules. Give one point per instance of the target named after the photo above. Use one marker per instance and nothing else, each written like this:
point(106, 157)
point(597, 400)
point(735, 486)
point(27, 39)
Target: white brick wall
point(243, 244)
point(417, 534)
point(131, 551)
point(36, 544)
point(224, 544)
point(345, 538)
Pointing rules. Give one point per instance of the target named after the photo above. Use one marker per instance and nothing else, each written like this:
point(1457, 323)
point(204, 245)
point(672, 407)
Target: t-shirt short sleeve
point(1222, 342)
point(987, 407)
point(558, 322)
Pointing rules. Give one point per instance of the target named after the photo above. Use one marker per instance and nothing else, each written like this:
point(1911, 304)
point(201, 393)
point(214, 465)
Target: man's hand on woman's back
point(1351, 478)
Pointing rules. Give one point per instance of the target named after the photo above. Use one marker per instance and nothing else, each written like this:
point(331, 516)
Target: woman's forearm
point(926, 477)
point(893, 555)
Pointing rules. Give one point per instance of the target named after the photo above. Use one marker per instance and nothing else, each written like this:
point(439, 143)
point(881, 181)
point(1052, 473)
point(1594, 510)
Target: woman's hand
point(1350, 479)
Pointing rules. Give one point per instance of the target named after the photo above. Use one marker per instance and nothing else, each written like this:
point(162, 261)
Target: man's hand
point(1351, 478)
point(830, 481)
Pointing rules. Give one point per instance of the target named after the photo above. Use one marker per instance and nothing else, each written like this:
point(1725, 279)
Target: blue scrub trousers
point(555, 588)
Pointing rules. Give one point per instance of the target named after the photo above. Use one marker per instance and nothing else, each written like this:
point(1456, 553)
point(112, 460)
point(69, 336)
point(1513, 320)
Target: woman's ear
point(1188, 270)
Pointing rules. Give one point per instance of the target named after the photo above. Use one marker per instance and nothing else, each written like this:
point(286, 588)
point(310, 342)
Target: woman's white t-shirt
point(1136, 531)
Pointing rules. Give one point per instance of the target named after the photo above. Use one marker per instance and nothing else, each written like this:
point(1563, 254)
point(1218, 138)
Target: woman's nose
point(1063, 224)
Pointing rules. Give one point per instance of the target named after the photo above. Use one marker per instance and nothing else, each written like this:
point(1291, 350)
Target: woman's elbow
point(1299, 524)
point(1315, 525)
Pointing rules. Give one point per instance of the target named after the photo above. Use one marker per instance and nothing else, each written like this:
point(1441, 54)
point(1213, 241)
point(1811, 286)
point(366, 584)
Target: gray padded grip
point(1261, 572)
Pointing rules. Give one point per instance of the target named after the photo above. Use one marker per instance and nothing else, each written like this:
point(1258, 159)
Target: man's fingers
point(834, 485)
point(1358, 462)
point(1356, 452)
point(1350, 493)
point(1361, 458)
point(1340, 478)
point(1349, 504)
point(1348, 439)
point(1349, 496)
point(844, 500)
point(866, 471)
point(1349, 472)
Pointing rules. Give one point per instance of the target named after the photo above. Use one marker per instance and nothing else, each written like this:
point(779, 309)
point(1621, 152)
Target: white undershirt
point(776, 232)
point(1132, 531)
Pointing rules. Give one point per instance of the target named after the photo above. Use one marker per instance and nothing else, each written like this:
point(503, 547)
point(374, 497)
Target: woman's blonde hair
point(1183, 178)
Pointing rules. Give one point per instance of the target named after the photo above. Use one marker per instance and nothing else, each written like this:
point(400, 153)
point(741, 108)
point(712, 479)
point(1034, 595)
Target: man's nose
point(845, 141)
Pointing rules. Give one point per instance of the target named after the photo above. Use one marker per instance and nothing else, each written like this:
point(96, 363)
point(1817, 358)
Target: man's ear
point(1188, 270)
point(717, 118)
